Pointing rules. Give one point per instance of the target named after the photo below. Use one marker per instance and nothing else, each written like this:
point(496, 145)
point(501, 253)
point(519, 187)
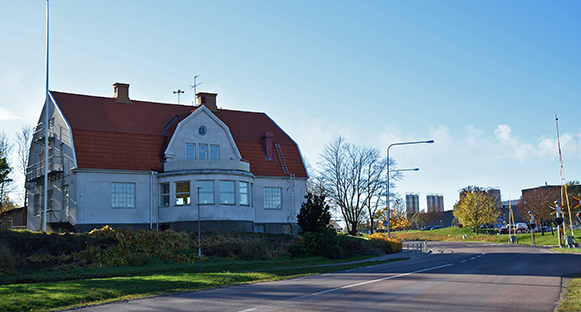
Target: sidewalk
point(404, 254)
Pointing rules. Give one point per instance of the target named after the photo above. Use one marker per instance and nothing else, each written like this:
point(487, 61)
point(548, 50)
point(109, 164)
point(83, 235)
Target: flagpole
point(46, 111)
point(563, 181)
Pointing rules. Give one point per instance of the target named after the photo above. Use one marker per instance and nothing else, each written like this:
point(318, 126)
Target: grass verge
point(571, 298)
point(79, 292)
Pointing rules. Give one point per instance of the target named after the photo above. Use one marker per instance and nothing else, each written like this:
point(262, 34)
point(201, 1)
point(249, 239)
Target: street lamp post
point(387, 196)
point(199, 233)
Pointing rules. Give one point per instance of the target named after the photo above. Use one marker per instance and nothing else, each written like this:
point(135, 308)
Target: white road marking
point(382, 279)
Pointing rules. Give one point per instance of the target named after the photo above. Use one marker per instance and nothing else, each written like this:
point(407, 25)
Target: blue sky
point(484, 79)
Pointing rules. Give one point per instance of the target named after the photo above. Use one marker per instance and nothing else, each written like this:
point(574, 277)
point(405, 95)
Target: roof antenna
point(178, 92)
point(194, 86)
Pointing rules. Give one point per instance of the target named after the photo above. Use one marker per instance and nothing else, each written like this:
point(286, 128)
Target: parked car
point(438, 227)
point(504, 230)
point(427, 228)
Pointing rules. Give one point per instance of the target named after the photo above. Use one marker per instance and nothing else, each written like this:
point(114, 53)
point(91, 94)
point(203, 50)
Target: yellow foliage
point(391, 245)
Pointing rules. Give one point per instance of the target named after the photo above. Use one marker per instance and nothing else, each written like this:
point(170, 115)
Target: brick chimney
point(267, 146)
point(208, 100)
point(121, 92)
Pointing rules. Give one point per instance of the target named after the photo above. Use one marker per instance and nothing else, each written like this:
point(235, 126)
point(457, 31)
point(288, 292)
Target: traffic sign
point(576, 202)
point(499, 225)
point(555, 209)
point(385, 223)
point(500, 218)
point(558, 221)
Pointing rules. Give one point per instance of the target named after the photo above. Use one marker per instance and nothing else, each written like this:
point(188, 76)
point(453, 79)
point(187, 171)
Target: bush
point(387, 245)
point(322, 243)
point(7, 260)
point(246, 246)
point(356, 246)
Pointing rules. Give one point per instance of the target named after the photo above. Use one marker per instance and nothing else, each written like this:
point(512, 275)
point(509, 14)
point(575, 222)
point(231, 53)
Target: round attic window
point(202, 130)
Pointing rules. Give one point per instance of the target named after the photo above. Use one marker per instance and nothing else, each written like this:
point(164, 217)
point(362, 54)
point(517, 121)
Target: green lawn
point(151, 280)
point(457, 234)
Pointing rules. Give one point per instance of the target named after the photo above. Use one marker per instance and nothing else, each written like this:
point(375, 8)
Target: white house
point(135, 164)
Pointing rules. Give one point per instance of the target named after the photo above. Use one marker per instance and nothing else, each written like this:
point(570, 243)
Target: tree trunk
point(371, 230)
point(353, 230)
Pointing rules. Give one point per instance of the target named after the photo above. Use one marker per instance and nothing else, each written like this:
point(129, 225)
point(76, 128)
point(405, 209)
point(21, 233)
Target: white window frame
point(272, 197)
point(164, 197)
point(184, 194)
point(190, 151)
point(241, 193)
point(227, 195)
point(122, 195)
point(214, 152)
point(206, 192)
point(202, 151)
point(37, 198)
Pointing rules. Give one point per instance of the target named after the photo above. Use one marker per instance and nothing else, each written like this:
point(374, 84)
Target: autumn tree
point(398, 218)
point(434, 214)
point(538, 201)
point(476, 207)
point(419, 219)
point(352, 178)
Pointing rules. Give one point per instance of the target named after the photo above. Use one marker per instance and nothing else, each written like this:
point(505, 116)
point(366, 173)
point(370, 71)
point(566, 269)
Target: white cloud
point(6, 115)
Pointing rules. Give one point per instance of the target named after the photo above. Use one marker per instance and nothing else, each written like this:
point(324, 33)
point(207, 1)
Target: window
point(66, 198)
point(227, 195)
point(190, 151)
point(164, 194)
point(259, 228)
point(286, 229)
point(214, 152)
point(182, 193)
point(243, 190)
point(206, 191)
point(272, 197)
point(50, 201)
point(202, 151)
point(37, 205)
point(123, 195)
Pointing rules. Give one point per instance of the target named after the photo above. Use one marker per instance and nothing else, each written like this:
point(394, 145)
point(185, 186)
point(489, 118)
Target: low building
point(135, 164)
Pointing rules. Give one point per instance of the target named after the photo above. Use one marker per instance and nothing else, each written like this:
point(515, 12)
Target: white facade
point(201, 158)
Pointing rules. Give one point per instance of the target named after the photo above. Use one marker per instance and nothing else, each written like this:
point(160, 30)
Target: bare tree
point(5, 170)
point(23, 141)
point(352, 177)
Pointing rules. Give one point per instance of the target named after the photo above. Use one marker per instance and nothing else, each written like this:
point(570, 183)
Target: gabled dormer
point(202, 141)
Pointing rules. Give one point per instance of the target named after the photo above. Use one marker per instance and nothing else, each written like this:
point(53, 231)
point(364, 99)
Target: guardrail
point(410, 249)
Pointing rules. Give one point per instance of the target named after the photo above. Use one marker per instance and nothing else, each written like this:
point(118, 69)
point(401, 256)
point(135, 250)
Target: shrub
point(322, 243)
point(387, 245)
point(7, 260)
point(356, 246)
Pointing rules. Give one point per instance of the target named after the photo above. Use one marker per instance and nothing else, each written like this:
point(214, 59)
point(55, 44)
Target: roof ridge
point(151, 102)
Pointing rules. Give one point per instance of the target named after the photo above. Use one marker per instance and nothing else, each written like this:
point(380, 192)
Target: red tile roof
point(111, 135)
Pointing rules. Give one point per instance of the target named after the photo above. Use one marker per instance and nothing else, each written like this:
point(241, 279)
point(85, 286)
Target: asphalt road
point(456, 276)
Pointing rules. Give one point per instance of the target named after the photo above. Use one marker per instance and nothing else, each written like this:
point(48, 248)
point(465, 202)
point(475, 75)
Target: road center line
point(381, 279)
